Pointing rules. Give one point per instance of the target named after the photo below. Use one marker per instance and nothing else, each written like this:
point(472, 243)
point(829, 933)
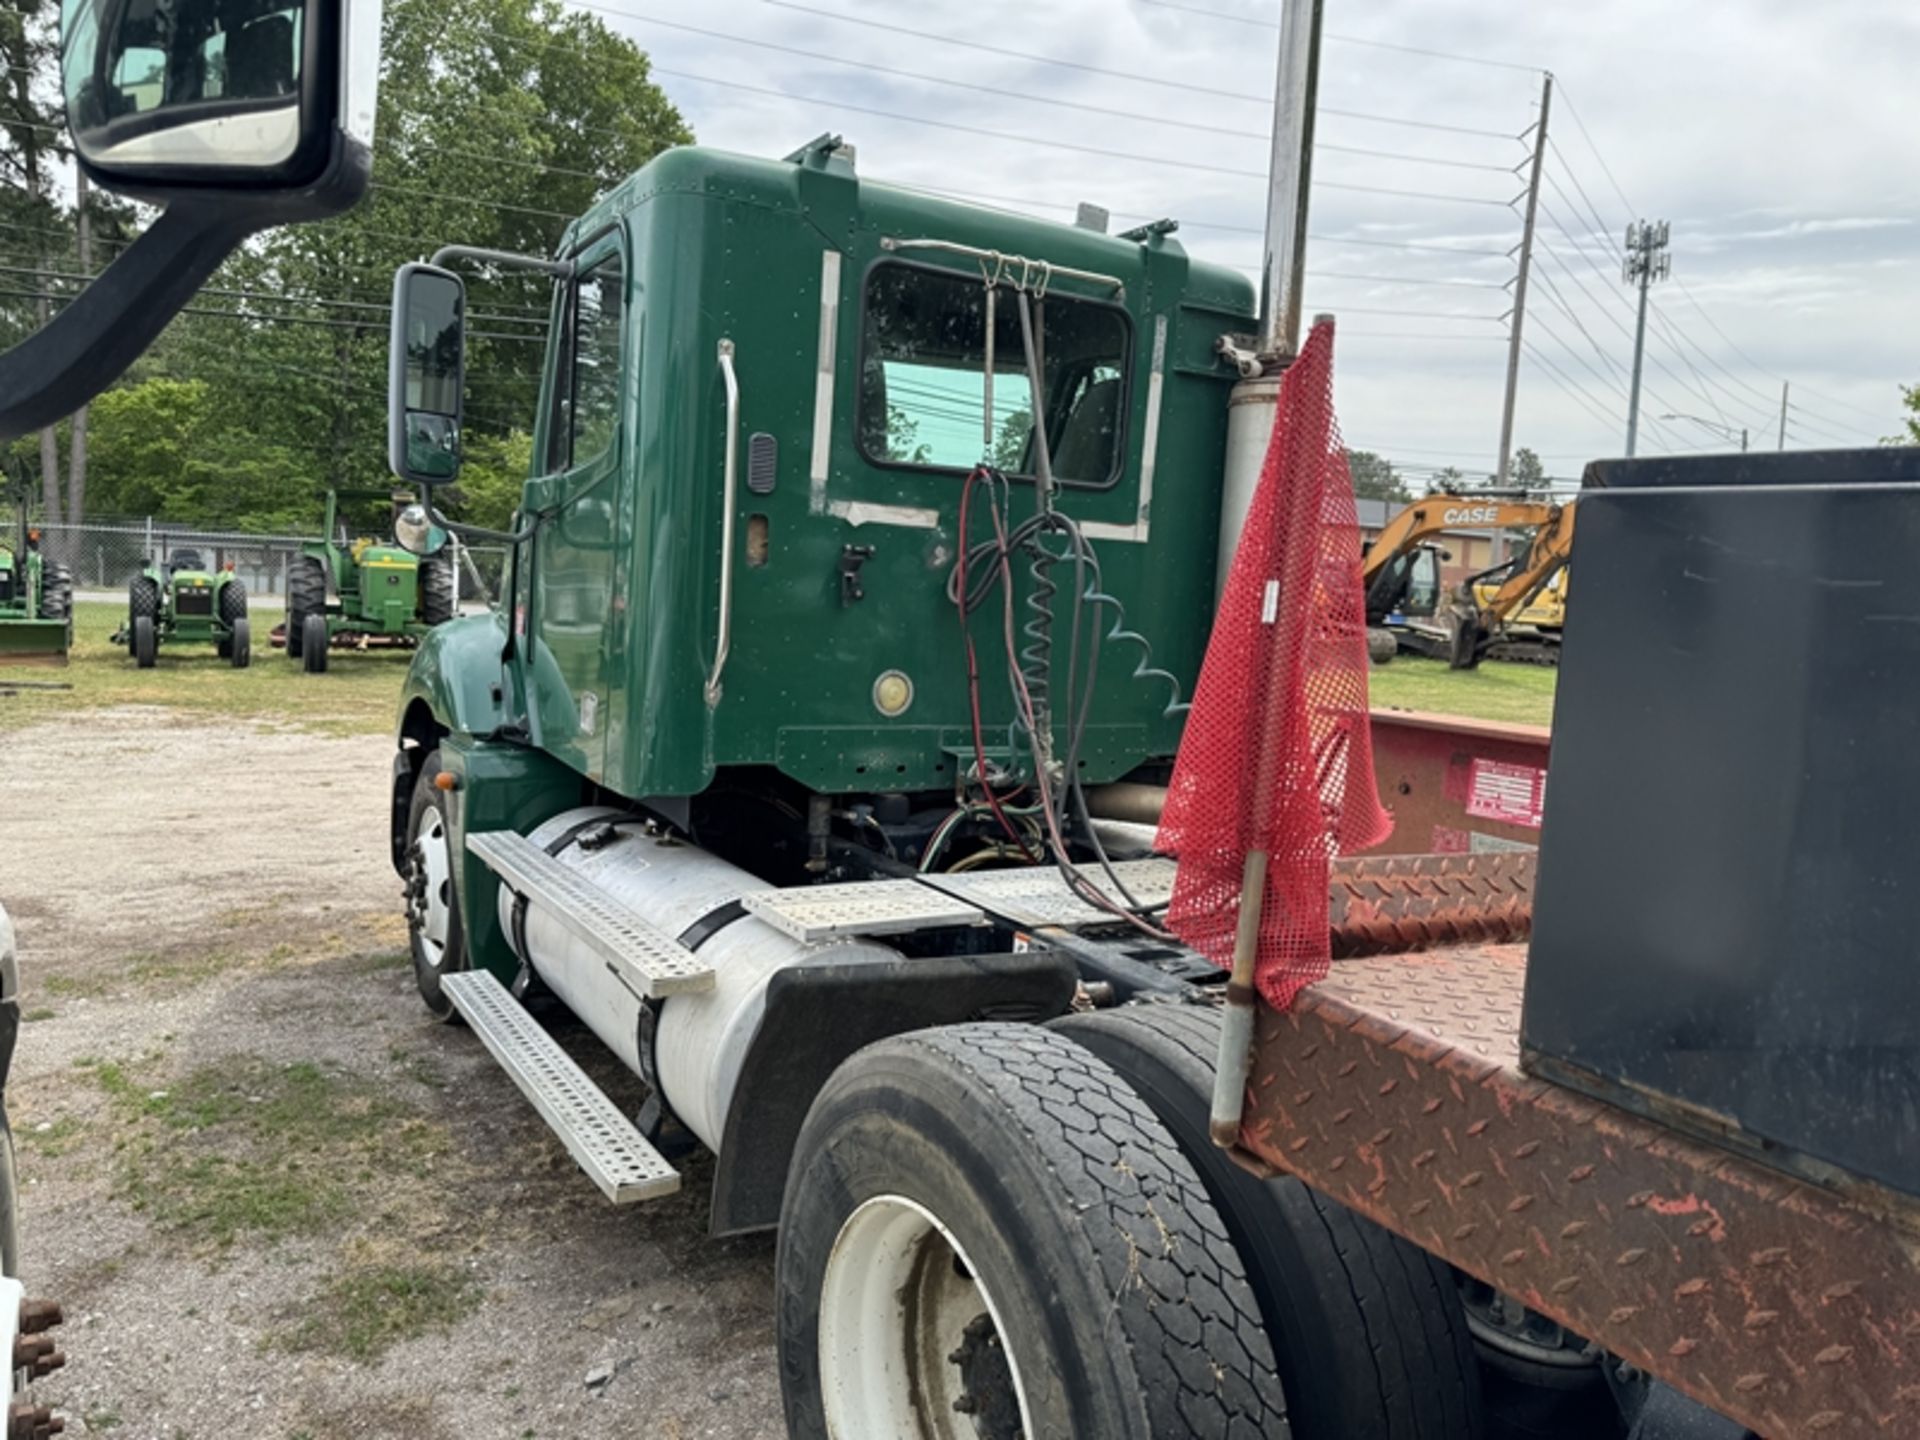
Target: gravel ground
point(275, 1198)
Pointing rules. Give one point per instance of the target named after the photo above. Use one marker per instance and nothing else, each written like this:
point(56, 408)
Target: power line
point(1347, 39)
point(1210, 91)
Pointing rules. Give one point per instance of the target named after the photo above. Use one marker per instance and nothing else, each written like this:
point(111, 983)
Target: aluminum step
point(860, 907)
point(653, 961)
point(1038, 895)
point(602, 1141)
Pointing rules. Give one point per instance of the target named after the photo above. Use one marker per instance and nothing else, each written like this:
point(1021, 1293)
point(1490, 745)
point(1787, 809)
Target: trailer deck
point(1395, 1087)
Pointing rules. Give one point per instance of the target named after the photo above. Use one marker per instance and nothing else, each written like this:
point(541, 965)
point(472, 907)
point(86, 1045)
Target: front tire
point(240, 644)
point(1369, 1331)
point(143, 600)
point(434, 932)
point(146, 642)
point(984, 1218)
point(313, 643)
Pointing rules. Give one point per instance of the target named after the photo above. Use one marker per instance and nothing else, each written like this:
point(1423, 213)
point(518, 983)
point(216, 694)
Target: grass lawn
point(1521, 694)
point(356, 696)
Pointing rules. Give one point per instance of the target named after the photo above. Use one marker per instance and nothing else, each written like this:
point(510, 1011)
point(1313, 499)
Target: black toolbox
point(1727, 919)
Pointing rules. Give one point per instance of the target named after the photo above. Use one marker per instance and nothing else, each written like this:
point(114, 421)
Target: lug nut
point(38, 1315)
point(28, 1421)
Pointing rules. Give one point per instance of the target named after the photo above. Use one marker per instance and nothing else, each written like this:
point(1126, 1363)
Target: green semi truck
point(810, 759)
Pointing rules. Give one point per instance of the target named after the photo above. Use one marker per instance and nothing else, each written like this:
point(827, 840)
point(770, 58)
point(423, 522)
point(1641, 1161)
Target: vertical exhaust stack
point(1251, 409)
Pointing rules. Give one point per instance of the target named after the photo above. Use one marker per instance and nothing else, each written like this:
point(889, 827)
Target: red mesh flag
point(1277, 755)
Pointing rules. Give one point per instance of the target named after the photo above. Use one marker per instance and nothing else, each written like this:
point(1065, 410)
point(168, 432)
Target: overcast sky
point(1778, 139)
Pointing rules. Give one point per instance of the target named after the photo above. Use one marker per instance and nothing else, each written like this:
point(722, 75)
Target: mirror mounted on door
point(426, 373)
point(232, 115)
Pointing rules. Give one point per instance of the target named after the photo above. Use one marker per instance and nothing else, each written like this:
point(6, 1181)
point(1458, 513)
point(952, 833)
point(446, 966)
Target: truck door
point(571, 616)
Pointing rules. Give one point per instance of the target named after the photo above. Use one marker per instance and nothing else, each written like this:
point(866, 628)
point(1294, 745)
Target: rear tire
point(435, 935)
point(240, 644)
point(436, 590)
point(313, 643)
point(56, 593)
point(1341, 1297)
point(986, 1214)
point(306, 595)
point(146, 642)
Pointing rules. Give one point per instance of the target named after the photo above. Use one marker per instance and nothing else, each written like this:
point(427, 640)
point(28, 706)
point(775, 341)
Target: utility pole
point(1783, 414)
point(1646, 261)
point(1520, 281)
point(1290, 177)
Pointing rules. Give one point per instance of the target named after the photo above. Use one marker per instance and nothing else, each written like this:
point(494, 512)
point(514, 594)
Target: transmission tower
point(1646, 261)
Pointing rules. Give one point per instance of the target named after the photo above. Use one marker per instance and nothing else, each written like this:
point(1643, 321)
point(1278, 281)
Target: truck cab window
point(586, 387)
point(922, 378)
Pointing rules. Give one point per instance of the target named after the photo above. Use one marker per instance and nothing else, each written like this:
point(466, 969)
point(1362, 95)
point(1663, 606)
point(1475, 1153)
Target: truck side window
point(586, 390)
point(922, 391)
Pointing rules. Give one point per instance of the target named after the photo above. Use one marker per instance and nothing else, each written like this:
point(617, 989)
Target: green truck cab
point(655, 639)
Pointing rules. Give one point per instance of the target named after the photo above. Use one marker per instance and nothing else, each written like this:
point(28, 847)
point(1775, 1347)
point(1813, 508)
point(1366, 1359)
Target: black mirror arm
point(447, 254)
point(476, 532)
point(90, 343)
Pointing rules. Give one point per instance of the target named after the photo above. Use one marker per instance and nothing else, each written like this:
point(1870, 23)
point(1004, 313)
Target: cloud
point(1709, 113)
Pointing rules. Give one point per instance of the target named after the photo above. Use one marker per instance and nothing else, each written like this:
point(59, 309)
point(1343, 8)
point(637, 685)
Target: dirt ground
point(276, 1199)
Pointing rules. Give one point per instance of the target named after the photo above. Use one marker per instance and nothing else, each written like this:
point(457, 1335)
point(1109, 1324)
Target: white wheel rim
point(435, 907)
point(896, 1300)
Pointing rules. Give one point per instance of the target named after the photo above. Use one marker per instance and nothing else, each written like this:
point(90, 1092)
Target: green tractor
point(36, 603)
point(383, 594)
point(184, 603)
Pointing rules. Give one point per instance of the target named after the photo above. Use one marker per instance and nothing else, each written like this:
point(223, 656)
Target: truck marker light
point(444, 781)
point(892, 693)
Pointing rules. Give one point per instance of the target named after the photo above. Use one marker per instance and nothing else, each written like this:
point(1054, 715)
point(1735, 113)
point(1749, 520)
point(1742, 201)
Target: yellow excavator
point(1407, 610)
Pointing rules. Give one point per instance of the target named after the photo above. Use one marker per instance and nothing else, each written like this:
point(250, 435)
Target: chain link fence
point(104, 555)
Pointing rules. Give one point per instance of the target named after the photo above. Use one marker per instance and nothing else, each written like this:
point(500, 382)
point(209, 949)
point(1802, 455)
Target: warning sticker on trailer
point(1515, 794)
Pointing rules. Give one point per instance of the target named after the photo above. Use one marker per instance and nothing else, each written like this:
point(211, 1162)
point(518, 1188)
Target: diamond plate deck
point(602, 1141)
point(1395, 1087)
point(860, 907)
point(654, 961)
point(1037, 897)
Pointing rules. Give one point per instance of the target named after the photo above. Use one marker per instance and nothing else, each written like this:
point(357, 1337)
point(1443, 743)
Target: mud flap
point(818, 1015)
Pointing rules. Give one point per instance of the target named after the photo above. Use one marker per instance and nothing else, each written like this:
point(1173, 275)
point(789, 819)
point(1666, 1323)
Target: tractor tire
point(240, 644)
point(313, 643)
point(146, 642)
point(984, 1218)
point(435, 935)
point(143, 600)
point(436, 590)
point(306, 595)
point(233, 606)
point(56, 593)
point(1369, 1332)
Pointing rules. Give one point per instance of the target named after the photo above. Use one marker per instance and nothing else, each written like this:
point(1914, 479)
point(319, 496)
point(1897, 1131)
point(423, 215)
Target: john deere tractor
point(185, 603)
point(36, 596)
point(381, 593)
point(36, 604)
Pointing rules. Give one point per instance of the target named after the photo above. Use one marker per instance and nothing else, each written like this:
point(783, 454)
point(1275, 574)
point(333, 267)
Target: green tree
point(1910, 431)
point(903, 438)
point(499, 120)
point(1010, 442)
point(1374, 478)
point(1526, 470)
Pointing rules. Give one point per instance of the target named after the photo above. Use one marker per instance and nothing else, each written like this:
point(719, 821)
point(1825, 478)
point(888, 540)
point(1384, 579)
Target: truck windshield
point(922, 378)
